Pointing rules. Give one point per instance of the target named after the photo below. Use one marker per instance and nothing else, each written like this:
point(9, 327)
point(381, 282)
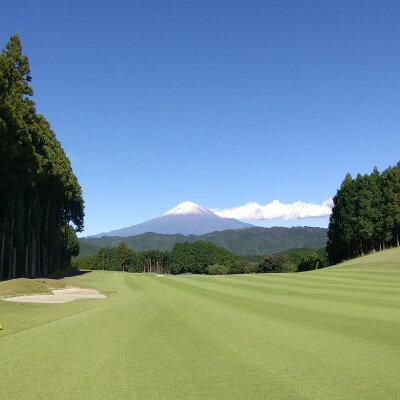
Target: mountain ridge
point(253, 240)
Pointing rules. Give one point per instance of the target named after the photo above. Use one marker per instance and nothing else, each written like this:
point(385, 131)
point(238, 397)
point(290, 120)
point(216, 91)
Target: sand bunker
point(59, 296)
point(160, 275)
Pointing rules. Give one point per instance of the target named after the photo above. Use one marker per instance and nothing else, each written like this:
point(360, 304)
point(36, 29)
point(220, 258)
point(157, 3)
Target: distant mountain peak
point(186, 218)
point(188, 207)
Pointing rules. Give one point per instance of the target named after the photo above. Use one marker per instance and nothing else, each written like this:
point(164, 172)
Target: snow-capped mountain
point(188, 207)
point(187, 218)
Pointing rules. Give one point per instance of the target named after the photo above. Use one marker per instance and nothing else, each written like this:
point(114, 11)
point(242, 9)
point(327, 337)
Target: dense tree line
point(122, 258)
point(196, 257)
point(199, 258)
point(366, 215)
point(39, 193)
point(185, 257)
point(293, 260)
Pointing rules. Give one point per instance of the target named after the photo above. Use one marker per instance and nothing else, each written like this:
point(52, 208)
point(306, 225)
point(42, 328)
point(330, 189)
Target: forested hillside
point(39, 193)
point(366, 215)
point(255, 240)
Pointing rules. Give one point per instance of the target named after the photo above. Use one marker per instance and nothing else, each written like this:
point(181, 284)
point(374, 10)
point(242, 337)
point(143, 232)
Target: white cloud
point(277, 210)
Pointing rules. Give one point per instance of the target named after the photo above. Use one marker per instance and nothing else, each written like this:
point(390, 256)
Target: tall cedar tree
point(366, 215)
point(39, 193)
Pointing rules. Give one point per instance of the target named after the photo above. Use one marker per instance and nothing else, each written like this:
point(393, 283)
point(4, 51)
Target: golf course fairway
point(327, 334)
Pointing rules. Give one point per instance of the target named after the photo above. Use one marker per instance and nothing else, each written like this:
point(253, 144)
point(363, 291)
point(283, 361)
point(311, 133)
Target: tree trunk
point(38, 258)
point(66, 244)
point(11, 249)
point(361, 249)
point(14, 264)
point(2, 252)
point(26, 270)
point(44, 260)
point(33, 257)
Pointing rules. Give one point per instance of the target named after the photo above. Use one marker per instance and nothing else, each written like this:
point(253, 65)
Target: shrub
point(217, 269)
point(243, 267)
point(251, 268)
point(277, 263)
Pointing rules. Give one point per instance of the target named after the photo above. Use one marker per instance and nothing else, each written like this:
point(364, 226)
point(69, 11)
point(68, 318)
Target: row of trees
point(199, 257)
point(293, 260)
point(122, 258)
point(184, 258)
point(366, 215)
point(39, 193)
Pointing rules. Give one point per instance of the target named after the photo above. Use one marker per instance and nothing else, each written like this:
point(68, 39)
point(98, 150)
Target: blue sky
point(216, 102)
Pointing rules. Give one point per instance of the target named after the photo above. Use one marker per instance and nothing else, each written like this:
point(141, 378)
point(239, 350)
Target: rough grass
point(328, 334)
point(23, 286)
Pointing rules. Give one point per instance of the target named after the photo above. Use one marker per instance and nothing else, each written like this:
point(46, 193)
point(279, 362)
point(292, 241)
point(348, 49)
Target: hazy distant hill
point(255, 240)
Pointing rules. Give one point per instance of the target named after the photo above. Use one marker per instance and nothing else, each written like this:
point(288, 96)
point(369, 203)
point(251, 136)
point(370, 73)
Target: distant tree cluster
point(199, 258)
point(366, 215)
point(122, 258)
point(294, 260)
point(39, 193)
point(196, 257)
point(184, 258)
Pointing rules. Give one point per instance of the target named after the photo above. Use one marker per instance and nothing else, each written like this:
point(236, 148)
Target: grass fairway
point(327, 334)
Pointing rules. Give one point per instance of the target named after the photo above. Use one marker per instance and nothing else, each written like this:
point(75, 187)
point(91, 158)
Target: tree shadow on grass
point(67, 273)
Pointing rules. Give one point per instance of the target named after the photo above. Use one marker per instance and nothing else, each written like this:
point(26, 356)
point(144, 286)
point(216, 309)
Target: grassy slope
point(327, 334)
point(23, 286)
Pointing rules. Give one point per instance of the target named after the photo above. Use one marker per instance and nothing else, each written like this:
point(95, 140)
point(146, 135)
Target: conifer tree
point(391, 193)
point(123, 254)
point(366, 215)
point(39, 193)
point(341, 226)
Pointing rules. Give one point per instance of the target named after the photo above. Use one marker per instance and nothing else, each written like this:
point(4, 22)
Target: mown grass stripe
point(379, 309)
point(270, 337)
point(297, 312)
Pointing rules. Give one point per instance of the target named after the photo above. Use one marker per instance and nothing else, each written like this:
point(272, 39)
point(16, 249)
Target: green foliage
point(195, 257)
point(89, 261)
point(86, 247)
point(153, 261)
point(243, 267)
point(124, 259)
point(108, 259)
point(391, 195)
point(255, 241)
point(200, 257)
point(217, 269)
point(185, 257)
point(260, 240)
point(366, 215)
point(40, 193)
point(308, 259)
point(124, 256)
point(73, 242)
point(277, 263)
point(256, 258)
